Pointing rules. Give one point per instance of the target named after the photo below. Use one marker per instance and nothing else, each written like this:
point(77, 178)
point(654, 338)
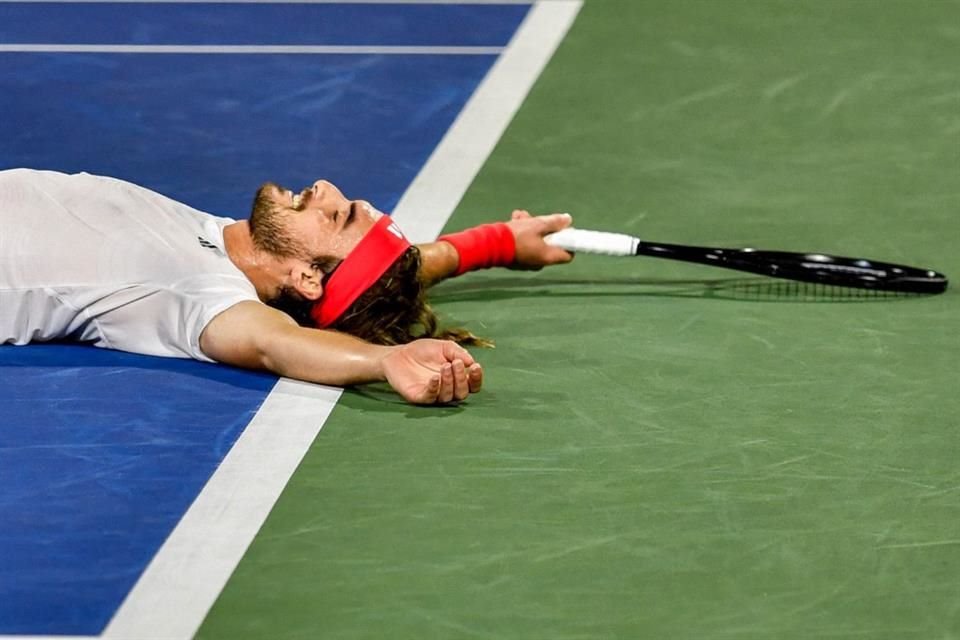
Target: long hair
point(393, 311)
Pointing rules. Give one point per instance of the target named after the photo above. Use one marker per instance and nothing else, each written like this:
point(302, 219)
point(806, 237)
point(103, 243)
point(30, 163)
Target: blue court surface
point(101, 452)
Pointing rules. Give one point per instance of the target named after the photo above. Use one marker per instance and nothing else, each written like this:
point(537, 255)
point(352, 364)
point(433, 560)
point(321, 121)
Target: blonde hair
point(395, 310)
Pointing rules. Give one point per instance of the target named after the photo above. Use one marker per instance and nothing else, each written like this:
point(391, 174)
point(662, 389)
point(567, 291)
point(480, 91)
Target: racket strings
point(793, 291)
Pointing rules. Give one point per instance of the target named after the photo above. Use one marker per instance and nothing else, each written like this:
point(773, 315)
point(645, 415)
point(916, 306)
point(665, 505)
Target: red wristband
point(489, 245)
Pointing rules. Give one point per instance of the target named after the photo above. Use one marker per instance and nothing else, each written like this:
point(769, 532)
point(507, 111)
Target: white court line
point(430, 200)
point(183, 581)
point(49, 637)
point(460, 2)
point(230, 49)
point(186, 576)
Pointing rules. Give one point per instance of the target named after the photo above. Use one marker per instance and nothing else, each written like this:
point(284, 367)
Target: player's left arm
point(441, 260)
point(252, 335)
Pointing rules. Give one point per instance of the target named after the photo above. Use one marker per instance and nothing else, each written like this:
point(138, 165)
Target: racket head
point(838, 271)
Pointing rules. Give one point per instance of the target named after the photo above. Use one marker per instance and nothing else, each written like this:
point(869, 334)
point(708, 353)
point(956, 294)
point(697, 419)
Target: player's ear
point(308, 281)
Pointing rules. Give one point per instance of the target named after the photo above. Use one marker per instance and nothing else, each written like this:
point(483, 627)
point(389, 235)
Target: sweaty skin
point(257, 336)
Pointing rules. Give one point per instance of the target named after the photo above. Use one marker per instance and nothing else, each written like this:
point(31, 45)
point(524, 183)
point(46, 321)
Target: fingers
point(532, 252)
point(452, 351)
point(432, 390)
point(460, 375)
point(475, 377)
point(455, 383)
point(556, 255)
point(431, 371)
point(461, 389)
point(446, 393)
point(555, 222)
point(549, 223)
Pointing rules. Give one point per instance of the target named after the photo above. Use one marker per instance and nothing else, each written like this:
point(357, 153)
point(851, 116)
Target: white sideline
point(434, 194)
point(186, 576)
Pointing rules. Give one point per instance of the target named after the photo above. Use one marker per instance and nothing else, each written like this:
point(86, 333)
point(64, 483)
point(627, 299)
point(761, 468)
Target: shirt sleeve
point(167, 321)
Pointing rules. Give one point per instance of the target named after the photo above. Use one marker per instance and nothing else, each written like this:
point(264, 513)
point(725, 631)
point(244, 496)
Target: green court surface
point(661, 452)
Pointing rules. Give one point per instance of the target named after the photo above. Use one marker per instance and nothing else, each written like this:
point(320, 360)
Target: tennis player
point(104, 261)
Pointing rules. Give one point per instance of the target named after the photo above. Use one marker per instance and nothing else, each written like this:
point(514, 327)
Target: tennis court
point(660, 449)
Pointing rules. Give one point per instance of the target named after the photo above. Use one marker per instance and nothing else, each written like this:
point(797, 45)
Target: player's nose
point(327, 195)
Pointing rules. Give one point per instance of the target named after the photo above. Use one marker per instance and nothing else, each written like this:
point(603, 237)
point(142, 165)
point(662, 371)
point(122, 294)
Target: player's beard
point(269, 229)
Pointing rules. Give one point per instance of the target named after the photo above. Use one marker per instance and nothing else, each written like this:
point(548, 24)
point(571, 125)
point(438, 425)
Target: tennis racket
point(817, 268)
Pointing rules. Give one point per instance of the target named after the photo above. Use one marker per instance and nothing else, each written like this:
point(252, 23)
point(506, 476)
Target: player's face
point(327, 222)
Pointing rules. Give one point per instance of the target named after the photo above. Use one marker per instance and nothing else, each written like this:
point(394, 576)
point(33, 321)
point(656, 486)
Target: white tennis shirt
point(96, 259)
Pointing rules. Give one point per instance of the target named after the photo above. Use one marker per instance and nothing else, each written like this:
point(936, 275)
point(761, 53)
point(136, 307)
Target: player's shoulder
point(26, 175)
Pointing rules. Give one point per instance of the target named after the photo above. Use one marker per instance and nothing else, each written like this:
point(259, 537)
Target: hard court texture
point(657, 453)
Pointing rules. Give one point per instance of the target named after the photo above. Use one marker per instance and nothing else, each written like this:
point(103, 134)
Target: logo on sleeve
point(206, 244)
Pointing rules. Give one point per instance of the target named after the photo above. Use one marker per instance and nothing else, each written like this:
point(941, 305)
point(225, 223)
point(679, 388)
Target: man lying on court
point(104, 261)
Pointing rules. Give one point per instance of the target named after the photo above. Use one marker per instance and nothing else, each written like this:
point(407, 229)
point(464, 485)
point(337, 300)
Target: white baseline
point(263, 49)
point(280, 2)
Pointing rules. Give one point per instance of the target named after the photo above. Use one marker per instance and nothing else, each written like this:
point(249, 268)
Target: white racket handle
point(611, 244)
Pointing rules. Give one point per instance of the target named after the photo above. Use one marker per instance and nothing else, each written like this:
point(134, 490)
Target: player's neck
point(260, 268)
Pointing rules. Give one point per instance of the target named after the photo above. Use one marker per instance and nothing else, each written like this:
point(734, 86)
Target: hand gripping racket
point(818, 268)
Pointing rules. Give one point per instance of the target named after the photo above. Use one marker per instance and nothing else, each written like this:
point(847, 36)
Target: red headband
point(362, 267)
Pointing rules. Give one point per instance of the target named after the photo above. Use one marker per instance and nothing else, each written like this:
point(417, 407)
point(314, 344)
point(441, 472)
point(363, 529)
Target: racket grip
point(611, 244)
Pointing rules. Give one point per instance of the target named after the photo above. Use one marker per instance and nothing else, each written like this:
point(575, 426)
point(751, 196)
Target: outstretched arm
point(255, 336)
point(440, 259)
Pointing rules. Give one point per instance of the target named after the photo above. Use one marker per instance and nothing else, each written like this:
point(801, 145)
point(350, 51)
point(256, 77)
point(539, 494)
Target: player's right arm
point(255, 336)
point(440, 259)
